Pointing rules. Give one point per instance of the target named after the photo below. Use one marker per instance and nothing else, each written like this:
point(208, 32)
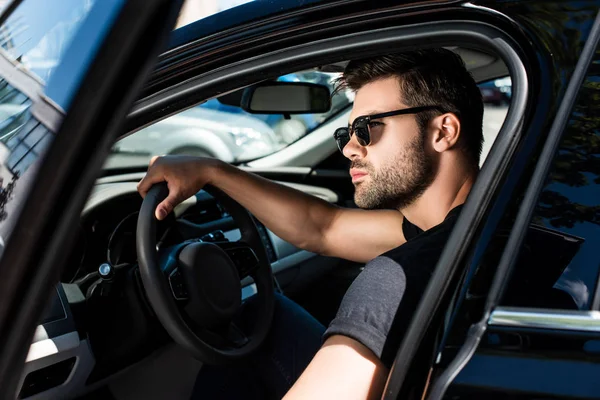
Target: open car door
point(508, 284)
point(69, 72)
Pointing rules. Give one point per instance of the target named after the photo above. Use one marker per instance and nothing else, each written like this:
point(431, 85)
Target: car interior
point(100, 336)
point(139, 307)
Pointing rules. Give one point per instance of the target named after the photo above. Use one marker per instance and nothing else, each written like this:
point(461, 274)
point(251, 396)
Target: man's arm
point(342, 369)
point(306, 221)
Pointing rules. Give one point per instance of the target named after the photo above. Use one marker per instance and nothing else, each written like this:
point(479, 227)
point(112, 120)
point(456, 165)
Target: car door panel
point(534, 336)
point(94, 101)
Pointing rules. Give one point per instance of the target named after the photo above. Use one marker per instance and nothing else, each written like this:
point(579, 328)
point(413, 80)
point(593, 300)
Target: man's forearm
point(294, 216)
point(303, 220)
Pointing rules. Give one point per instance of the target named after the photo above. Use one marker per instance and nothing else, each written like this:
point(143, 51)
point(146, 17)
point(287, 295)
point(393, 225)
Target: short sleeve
point(381, 302)
point(370, 304)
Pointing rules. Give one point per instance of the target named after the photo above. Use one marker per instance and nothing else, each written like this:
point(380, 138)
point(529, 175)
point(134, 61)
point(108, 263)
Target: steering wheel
point(195, 289)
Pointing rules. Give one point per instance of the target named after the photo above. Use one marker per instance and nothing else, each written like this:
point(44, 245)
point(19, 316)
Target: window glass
point(496, 95)
point(37, 33)
point(224, 131)
point(560, 261)
point(22, 139)
point(194, 10)
point(33, 40)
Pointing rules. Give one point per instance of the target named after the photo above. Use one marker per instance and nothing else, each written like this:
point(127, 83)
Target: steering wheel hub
point(213, 284)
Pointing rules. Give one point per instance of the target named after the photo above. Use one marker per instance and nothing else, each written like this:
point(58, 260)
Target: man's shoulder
point(380, 303)
point(425, 248)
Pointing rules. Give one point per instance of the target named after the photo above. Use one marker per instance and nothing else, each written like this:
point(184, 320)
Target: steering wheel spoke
point(236, 336)
point(178, 286)
point(245, 259)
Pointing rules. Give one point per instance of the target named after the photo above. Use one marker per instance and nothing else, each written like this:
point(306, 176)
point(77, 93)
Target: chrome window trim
point(564, 320)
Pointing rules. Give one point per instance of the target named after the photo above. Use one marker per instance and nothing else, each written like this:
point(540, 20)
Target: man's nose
point(353, 149)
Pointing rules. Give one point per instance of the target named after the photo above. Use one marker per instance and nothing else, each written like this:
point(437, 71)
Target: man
point(414, 141)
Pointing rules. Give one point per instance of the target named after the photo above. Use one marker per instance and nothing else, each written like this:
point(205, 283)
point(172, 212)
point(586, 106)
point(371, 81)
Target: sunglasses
point(361, 125)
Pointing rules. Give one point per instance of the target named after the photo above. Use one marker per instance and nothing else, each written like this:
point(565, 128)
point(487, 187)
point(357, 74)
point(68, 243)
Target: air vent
point(204, 212)
point(46, 378)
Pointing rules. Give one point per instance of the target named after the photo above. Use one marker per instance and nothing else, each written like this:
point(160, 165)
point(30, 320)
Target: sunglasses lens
point(342, 137)
point(361, 130)
point(362, 135)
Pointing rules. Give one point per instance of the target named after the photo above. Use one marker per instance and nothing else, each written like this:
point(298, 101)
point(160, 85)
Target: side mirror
point(286, 98)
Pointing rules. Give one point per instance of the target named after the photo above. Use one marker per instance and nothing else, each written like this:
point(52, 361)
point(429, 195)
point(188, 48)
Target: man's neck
point(448, 191)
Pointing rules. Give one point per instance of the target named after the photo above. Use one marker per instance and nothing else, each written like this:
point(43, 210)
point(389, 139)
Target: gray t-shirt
point(378, 306)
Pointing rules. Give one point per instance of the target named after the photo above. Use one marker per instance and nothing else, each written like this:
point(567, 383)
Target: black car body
point(513, 308)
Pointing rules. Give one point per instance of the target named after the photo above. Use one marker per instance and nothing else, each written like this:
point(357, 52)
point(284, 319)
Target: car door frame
point(229, 77)
point(46, 227)
point(552, 321)
point(438, 289)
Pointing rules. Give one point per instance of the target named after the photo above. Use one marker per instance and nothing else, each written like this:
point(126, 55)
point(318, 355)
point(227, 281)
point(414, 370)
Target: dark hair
point(428, 77)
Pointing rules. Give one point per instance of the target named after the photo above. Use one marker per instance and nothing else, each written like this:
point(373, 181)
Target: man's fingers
point(167, 206)
point(143, 187)
point(152, 160)
point(156, 174)
point(147, 181)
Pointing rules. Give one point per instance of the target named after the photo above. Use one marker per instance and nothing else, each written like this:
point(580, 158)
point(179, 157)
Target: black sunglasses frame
point(360, 125)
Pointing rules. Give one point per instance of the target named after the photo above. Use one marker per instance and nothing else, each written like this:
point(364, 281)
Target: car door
point(68, 74)
point(542, 328)
point(525, 322)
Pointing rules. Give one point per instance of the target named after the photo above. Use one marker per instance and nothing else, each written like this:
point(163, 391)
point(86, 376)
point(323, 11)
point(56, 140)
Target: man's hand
point(184, 175)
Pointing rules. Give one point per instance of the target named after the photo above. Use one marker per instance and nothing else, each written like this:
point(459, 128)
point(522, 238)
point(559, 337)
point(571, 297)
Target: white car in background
point(199, 132)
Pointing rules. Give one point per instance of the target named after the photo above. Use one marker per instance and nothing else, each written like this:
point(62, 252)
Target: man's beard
point(399, 182)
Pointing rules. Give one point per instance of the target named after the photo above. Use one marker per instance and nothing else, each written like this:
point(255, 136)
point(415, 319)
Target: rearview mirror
point(286, 98)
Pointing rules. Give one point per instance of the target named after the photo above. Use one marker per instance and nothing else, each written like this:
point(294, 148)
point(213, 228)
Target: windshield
point(215, 129)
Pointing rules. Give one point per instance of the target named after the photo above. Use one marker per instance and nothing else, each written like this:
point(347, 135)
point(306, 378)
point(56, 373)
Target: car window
point(224, 131)
point(559, 263)
point(496, 95)
point(38, 35)
point(215, 129)
point(33, 40)
point(194, 10)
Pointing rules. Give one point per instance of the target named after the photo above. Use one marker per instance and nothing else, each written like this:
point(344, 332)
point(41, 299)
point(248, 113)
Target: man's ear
point(446, 130)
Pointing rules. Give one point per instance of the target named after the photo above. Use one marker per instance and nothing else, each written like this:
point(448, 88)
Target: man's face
point(395, 169)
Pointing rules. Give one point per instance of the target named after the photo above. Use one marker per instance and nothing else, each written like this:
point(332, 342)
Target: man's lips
point(357, 174)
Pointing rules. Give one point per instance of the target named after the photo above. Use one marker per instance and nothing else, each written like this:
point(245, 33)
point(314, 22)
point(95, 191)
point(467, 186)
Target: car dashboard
point(92, 329)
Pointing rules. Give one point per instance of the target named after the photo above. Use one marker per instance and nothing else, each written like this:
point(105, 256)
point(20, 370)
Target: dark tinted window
point(561, 257)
